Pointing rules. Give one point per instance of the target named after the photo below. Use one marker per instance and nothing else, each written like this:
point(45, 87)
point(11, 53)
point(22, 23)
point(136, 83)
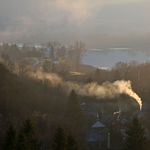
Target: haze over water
point(108, 57)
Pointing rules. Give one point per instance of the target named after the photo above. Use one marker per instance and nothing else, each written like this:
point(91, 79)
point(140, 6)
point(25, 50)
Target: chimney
point(108, 143)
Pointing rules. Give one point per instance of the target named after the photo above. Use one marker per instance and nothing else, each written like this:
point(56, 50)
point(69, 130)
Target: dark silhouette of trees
point(14, 51)
point(59, 140)
point(11, 138)
point(23, 68)
point(63, 142)
point(22, 143)
point(29, 131)
point(136, 137)
point(5, 48)
point(72, 143)
point(74, 110)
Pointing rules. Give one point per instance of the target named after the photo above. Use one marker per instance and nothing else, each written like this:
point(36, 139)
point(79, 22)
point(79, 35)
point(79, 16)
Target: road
point(37, 61)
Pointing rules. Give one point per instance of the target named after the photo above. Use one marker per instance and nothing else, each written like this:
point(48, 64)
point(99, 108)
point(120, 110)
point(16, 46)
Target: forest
point(35, 94)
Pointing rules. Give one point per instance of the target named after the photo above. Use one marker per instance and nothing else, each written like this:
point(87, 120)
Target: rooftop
point(98, 125)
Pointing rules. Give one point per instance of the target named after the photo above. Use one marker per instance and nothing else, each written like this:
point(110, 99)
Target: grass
point(61, 60)
point(76, 73)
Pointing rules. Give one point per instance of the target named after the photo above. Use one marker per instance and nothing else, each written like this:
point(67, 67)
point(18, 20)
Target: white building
point(55, 61)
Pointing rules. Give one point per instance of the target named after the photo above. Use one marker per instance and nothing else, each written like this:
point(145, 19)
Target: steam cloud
point(106, 90)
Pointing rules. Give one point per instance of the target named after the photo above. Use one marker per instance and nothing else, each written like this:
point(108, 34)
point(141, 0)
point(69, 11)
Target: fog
point(94, 22)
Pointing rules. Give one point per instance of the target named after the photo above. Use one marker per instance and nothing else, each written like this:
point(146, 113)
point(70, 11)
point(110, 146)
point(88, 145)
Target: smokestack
point(108, 143)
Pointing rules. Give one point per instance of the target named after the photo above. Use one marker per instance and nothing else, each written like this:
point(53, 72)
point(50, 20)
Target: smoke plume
point(106, 90)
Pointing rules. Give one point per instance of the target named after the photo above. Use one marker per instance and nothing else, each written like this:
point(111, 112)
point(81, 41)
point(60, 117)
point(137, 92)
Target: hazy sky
point(68, 20)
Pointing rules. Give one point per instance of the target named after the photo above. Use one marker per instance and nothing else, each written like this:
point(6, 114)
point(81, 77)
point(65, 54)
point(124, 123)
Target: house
point(55, 61)
point(94, 138)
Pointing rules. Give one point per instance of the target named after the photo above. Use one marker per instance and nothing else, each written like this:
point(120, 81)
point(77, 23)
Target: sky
point(66, 21)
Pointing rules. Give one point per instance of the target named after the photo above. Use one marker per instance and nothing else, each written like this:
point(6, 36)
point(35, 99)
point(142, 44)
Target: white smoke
point(119, 113)
point(106, 90)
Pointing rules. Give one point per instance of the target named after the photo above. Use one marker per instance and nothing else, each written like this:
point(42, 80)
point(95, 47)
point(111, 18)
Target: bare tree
point(22, 67)
point(79, 51)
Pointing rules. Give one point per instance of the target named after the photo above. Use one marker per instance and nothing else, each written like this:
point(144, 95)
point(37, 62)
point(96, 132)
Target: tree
point(11, 138)
point(14, 50)
point(117, 75)
point(136, 137)
point(5, 48)
point(62, 51)
point(98, 75)
point(52, 52)
point(79, 51)
point(33, 49)
point(22, 68)
point(72, 144)
point(74, 110)
point(24, 48)
point(89, 80)
point(29, 131)
point(59, 139)
point(71, 53)
point(22, 143)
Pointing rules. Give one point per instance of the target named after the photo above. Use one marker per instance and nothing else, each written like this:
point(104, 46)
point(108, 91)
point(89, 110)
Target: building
point(55, 61)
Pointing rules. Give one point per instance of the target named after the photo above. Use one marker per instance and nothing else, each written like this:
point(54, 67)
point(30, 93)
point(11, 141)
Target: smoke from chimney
point(106, 90)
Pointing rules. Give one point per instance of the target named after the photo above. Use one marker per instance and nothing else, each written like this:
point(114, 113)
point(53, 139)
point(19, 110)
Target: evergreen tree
point(72, 144)
point(74, 110)
point(136, 138)
point(29, 131)
point(11, 138)
point(22, 143)
point(59, 139)
point(5, 48)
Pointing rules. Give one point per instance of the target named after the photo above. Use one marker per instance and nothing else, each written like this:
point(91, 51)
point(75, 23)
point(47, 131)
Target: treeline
point(26, 138)
point(11, 50)
point(137, 73)
point(23, 97)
